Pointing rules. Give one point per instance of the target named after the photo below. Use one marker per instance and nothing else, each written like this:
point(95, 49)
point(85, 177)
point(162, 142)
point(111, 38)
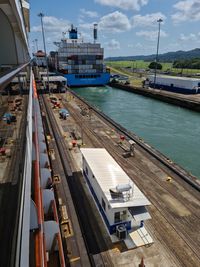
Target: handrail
point(40, 256)
point(23, 228)
point(6, 79)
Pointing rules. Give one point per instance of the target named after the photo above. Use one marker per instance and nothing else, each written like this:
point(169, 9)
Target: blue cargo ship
point(80, 62)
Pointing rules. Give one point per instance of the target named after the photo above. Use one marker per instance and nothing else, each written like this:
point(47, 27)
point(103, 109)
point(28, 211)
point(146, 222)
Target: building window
point(103, 204)
point(117, 217)
point(120, 216)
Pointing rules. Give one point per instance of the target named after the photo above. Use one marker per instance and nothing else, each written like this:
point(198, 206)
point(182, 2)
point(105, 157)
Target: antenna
point(95, 32)
point(63, 35)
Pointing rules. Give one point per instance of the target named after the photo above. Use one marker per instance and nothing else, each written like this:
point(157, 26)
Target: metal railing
point(6, 79)
point(23, 232)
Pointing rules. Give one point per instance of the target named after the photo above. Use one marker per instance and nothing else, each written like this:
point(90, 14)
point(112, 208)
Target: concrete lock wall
point(20, 48)
point(8, 53)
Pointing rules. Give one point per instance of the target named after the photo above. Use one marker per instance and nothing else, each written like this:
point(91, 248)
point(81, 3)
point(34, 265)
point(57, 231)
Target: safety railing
point(7, 78)
point(22, 244)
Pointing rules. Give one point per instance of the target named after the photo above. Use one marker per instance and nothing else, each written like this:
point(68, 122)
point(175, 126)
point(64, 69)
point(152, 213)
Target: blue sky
point(125, 27)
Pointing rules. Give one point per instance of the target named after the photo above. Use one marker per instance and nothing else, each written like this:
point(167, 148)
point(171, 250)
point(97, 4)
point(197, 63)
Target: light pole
point(36, 43)
point(159, 22)
point(41, 15)
point(33, 46)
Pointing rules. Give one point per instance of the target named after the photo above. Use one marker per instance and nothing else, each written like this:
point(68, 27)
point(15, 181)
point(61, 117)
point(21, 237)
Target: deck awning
point(139, 213)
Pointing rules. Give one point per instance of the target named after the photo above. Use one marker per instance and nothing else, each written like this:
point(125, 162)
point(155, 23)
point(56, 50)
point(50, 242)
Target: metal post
point(36, 43)
point(41, 15)
point(159, 22)
point(33, 46)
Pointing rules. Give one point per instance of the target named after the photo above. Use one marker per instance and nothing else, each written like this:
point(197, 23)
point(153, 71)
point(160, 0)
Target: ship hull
point(89, 79)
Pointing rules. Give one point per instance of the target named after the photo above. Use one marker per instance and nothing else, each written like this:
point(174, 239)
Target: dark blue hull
point(87, 79)
point(175, 89)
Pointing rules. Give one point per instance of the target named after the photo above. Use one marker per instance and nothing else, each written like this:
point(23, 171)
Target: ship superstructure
point(80, 62)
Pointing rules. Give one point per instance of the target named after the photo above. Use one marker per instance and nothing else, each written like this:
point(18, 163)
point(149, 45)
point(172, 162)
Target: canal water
point(172, 130)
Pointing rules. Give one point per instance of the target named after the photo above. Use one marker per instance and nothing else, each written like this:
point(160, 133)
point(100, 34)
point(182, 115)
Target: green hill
point(166, 57)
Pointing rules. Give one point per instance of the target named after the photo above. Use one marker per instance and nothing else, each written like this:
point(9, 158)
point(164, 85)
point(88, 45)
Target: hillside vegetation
point(187, 63)
point(166, 57)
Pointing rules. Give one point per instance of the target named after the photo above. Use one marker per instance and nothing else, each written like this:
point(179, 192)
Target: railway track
point(10, 192)
point(152, 151)
point(95, 245)
point(181, 225)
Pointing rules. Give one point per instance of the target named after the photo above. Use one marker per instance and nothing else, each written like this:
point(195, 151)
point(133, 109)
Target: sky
point(125, 27)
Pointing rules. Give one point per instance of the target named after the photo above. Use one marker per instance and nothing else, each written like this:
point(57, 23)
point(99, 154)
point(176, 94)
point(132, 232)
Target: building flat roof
point(45, 73)
point(176, 77)
point(109, 174)
point(54, 79)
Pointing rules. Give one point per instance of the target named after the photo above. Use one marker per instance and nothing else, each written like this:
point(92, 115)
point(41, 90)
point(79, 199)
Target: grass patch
point(140, 64)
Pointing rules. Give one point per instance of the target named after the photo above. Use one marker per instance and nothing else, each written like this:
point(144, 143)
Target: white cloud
point(137, 45)
point(147, 20)
point(124, 4)
point(113, 45)
point(86, 26)
point(114, 22)
point(53, 25)
point(187, 10)
point(190, 37)
point(151, 35)
point(87, 13)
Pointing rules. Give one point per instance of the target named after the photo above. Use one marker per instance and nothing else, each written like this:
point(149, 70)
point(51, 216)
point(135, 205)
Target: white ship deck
point(109, 174)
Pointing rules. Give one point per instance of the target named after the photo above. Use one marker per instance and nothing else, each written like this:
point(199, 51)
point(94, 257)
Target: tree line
point(187, 63)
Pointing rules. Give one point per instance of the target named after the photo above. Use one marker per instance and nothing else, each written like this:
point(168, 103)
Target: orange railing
point(40, 254)
point(40, 245)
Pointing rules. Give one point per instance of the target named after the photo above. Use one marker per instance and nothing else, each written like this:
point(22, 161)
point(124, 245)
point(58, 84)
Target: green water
point(172, 130)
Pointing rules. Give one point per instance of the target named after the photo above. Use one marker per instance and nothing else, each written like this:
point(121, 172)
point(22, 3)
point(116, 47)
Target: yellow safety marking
point(169, 179)
point(74, 259)
point(64, 214)
point(56, 179)
point(51, 151)
point(60, 201)
point(115, 250)
point(48, 137)
point(169, 160)
point(66, 229)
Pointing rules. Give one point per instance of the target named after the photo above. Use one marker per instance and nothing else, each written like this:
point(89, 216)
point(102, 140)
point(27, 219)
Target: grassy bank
point(140, 64)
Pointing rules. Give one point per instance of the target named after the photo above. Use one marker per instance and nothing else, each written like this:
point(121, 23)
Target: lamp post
point(41, 15)
point(33, 47)
point(36, 43)
point(159, 22)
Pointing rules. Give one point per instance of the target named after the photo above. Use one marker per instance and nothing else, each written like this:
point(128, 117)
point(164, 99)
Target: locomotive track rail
point(152, 151)
point(180, 225)
point(93, 240)
point(11, 191)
